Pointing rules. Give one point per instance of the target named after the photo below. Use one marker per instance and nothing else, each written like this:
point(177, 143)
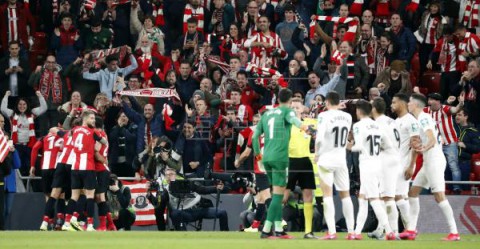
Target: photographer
point(192, 207)
point(118, 201)
point(160, 159)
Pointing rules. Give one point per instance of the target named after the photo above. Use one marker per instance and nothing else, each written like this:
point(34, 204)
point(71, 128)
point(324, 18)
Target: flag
point(144, 210)
point(4, 147)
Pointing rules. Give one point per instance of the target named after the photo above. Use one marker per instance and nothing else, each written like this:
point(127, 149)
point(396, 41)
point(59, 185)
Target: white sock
point(362, 215)
point(381, 214)
point(448, 213)
point(404, 208)
point(347, 208)
point(329, 213)
point(392, 214)
point(414, 212)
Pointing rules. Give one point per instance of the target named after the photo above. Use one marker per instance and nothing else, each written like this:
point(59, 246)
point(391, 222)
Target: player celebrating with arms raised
point(431, 174)
point(275, 124)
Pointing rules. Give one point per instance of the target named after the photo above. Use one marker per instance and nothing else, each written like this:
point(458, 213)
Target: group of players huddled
point(387, 150)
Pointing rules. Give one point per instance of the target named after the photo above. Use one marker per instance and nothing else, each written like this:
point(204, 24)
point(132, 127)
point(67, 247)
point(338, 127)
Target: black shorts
point(261, 182)
point(102, 181)
point(62, 177)
point(301, 171)
point(84, 179)
point(47, 180)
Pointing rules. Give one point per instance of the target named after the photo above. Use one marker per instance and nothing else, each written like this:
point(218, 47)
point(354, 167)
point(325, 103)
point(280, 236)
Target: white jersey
point(389, 128)
point(332, 132)
point(368, 141)
point(426, 123)
point(407, 127)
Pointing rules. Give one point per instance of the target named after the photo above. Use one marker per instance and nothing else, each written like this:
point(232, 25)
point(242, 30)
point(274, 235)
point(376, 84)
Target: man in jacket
point(468, 142)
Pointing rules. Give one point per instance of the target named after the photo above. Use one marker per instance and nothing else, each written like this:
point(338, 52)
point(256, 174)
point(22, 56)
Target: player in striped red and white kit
point(443, 116)
point(265, 46)
point(83, 171)
point(261, 181)
point(103, 177)
point(51, 144)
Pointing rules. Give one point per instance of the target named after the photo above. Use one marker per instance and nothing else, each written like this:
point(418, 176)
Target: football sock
point(448, 213)
point(71, 207)
point(102, 208)
point(274, 210)
point(381, 215)
point(90, 207)
point(414, 212)
point(49, 211)
point(308, 214)
point(329, 212)
point(61, 206)
point(392, 213)
point(347, 208)
point(362, 215)
point(404, 208)
point(260, 211)
point(109, 219)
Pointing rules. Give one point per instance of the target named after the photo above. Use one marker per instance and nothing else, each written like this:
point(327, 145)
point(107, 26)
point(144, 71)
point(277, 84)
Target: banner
point(97, 55)
point(151, 92)
point(143, 208)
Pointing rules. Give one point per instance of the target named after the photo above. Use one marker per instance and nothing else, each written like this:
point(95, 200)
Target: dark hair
point(397, 13)
point(465, 111)
point(379, 104)
point(95, 22)
point(460, 26)
point(236, 89)
point(185, 62)
point(284, 95)
point(333, 98)
point(27, 111)
point(448, 30)
point(212, 72)
point(386, 35)
point(67, 15)
point(313, 72)
point(342, 26)
point(364, 106)
point(289, 7)
point(192, 20)
point(242, 72)
point(98, 122)
point(401, 96)
point(263, 16)
point(419, 97)
point(151, 19)
point(299, 92)
point(240, 32)
point(87, 113)
point(14, 42)
point(111, 58)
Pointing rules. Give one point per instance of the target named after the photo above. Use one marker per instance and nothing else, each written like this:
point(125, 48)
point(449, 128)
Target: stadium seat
point(476, 166)
point(431, 81)
point(39, 49)
point(415, 69)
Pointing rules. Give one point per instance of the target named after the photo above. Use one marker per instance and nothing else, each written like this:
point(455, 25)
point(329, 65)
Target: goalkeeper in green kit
point(275, 124)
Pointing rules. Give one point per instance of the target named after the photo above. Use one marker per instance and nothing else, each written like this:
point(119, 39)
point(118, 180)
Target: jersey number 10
point(340, 134)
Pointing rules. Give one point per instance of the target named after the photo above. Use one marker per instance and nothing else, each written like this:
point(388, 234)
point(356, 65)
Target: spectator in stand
point(243, 112)
point(150, 125)
point(366, 49)
point(429, 32)
point(394, 79)
point(468, 15)
point(186, 84)
point(6, 167)
point(267, 9)
point(249, 97)
point(74, 105)
point(153, 33)
point(468, 143)
point(368, 18)
point(14, 74)
point(443, 116)
point(286, 28)
point(470, 82)
point(66, 42)
point(121, 24)
point(98, 37)
point(193, 150)
point(385, 54)
point(357, 72)
point(446, 53)
point(108, 77)
point(23, 126)
point(17, 24)
point(469, 44)
point(190, 40)
point(223, 16)
point(404, 39)
point(118, 201)
point(296, 77)
point(226, 136)
point(49, 81)
point(204, 121)
point(250, 19)
point(232, 44)
point(121, 141)
point(265, 46)
point(317, 89)
point(309, 45)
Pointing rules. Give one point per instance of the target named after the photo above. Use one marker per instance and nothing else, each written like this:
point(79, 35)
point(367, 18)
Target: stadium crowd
point(179, 85)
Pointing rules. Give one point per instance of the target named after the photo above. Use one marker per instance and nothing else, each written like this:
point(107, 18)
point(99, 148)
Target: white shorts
point(388, 178)
point(431, 175)
point(370, 175)
point(338, 176)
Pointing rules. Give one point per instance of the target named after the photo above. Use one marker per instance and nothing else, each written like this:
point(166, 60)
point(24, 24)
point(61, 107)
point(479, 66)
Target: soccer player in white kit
point(408, 132)
point(391, 167)
point(369, 140)
point(431, 175)
point(330, 155)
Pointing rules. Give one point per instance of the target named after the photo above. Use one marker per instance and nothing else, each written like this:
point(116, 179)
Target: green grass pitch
point(211, 240)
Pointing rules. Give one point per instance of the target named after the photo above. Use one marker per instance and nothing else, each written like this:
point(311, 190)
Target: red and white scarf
point(26, 3)
point(352, 26)
point(198, 13)
point(51, 82)
point(90, 4)
point(381, 61)
point(97, 55)
point(265, 74)
point(151, 93)
point(12, 24)
point(470, 18)
point(158, 14)
point(31, 129)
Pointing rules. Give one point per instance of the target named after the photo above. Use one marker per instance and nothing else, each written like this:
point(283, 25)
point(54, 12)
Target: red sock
point(109, 219)
point(76, 214)
point(46, 219)
point(255, 224)
point(68, 217)
point(90, 221)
